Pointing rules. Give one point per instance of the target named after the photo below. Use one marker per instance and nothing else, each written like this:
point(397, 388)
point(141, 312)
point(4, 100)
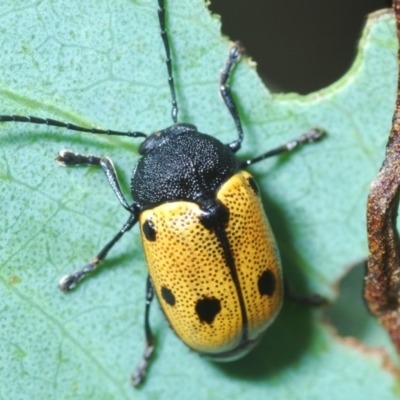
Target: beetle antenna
point(168, 61)
point(72, 127)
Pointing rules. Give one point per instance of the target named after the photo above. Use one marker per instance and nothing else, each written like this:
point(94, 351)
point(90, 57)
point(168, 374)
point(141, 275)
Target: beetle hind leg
point(138, 375)
point(311, 300)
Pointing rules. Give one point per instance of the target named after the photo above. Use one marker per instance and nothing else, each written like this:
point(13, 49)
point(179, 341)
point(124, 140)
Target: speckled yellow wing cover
point(187, 267)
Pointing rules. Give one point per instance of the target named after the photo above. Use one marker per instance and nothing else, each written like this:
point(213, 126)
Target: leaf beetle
point(213, 261)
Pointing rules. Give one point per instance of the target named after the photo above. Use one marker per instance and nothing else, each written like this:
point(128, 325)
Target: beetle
point(213, 261)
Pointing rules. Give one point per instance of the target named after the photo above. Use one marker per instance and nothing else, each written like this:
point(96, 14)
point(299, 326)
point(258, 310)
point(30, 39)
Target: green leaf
point(102, 63)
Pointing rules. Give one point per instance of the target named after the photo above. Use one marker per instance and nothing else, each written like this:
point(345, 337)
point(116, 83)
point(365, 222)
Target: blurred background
point(299, 45)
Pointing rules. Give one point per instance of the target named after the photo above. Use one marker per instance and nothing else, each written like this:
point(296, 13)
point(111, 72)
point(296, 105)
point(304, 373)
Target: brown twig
point(382, 283)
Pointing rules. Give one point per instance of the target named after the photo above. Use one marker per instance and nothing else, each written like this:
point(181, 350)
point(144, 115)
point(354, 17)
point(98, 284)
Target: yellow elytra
point(194, 282)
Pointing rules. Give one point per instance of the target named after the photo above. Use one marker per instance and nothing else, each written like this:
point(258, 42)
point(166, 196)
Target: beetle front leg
point(68, 158)
point(225, 92)
point(69, 282)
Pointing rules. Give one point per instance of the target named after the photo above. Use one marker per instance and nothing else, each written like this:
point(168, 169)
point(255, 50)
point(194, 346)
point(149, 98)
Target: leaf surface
point(102, 63)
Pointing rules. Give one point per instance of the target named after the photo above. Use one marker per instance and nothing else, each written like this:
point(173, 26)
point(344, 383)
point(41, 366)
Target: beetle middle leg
point(68, 158)
point(69, 282)
point(312, 135)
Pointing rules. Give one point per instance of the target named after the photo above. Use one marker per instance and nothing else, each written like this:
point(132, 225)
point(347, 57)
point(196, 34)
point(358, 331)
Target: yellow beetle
point(212, 257)
point(219, 284)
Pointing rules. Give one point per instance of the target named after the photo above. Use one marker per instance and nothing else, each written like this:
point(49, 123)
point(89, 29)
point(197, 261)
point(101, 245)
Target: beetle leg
point(69, 282)
point(67, 158)
point(140, 371)
point(312, 300)
point(310, 136)
point(225, 92)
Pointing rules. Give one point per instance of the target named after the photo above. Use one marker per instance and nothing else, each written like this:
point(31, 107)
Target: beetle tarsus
point(138, 375)
point(313, 135)
point(69, 282)
point(67, 158)
point(236, 52)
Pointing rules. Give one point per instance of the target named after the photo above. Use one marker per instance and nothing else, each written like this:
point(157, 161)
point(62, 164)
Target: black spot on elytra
point(254, 185)
point(207, 309)
point(168, 296)
point(149, 230)
point(267, 283)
